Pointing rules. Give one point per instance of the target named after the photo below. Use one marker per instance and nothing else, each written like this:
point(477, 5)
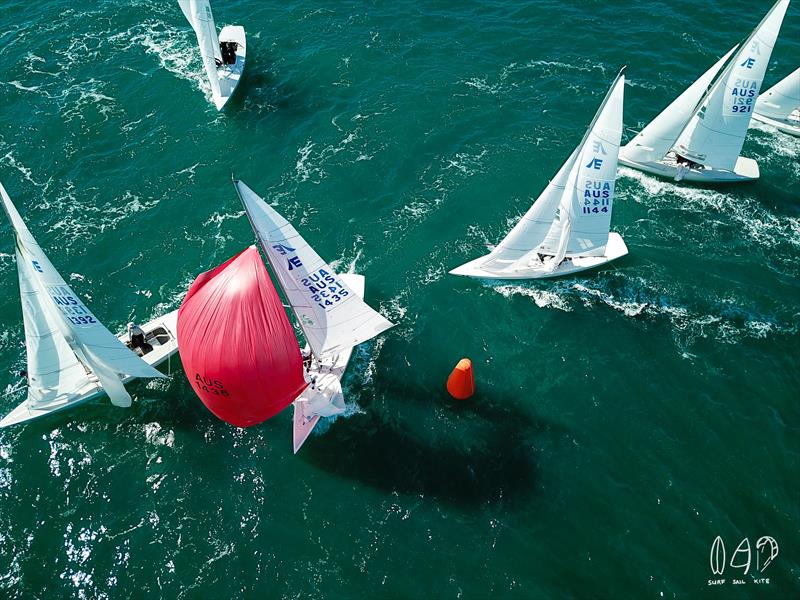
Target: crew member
point(136, 338)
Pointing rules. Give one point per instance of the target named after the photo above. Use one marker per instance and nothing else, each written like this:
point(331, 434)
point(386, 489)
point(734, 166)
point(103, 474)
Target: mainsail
point(782, 99)
point(238, 349)
point(65, 342)
point(332, 317)
point(715, 134)
point(654, 141)
point(573, 214)
point(198, 13)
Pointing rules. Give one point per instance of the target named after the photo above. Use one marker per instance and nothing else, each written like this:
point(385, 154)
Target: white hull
point(783, 126)
point(326, 377)
point(160, 353)
point(230, 75)
point(746, 169)
point(615, 249)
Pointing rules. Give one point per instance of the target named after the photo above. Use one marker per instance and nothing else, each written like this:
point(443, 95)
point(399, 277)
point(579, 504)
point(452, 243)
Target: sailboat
point(72, 357)
point(223, 56)
point(779, 106)
point(253, 367)
point(567, 229)
point(700, 135)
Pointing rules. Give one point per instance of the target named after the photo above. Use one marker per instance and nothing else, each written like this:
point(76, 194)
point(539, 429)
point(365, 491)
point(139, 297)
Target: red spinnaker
point(238, 349)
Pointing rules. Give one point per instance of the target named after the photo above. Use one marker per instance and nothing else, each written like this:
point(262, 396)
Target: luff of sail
point(198, 13)
point(332, 317)
point(654, 141)
point(715, 134)
point(782, 99)
point(63, 315)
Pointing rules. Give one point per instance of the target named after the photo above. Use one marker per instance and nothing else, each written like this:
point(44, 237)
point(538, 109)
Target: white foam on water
point(726, 320)
point(26, 172)
point(22, 87)
point(154, 434)
point(176, 50)
point(755, 222)
point(301, 168)
point(552, 298)
point(80, 219)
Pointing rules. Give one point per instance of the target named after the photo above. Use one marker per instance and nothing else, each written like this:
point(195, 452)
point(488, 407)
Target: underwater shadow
point(496, 462)
point(262, 89)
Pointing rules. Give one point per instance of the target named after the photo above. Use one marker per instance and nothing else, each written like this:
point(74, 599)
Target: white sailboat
point(779, 106)
point(567, 228)
point(329, 308)
point(223, 56)
point(72, 357)
point(700, 135)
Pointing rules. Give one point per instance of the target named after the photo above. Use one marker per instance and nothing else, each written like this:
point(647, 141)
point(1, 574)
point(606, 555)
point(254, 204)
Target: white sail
point(654, 141)
point(53, 369)
point(782, 99)
point(715, 134)
point(532, 229)
point(198, 13)
point(332, 316)
point(582, 193)
point(590, 211)
point(52, 310)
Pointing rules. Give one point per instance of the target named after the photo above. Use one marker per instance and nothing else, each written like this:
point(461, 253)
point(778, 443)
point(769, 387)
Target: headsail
point(782, 99)
point(332, 316)
point(654, 141)
point(58, 320)
point(198, 13)
point(715, 134)
point(238, 349)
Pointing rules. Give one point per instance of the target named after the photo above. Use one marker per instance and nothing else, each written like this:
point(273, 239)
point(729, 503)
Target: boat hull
point(615, 249)
point(231, 75)
point(782, 126)
point(160, 353)
point(324, 379)
point(746, 169)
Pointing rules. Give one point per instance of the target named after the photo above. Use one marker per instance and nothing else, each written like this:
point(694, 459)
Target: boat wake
point(724, 319)
point(755, 223)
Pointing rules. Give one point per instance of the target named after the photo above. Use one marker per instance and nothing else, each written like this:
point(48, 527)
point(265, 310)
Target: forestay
point(782, 99)
point(715, 134)
point(65, 342)
point(330, 314)
point(198, 13)
point(654, 141)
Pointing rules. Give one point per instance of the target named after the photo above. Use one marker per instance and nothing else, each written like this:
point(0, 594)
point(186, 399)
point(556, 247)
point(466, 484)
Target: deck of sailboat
point(230, 75)
point(782, 126)
point(163, 349)
point(615, 249)
point(746, 169)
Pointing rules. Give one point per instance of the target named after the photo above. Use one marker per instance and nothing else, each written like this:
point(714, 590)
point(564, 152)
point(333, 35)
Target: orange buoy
point(461, 383)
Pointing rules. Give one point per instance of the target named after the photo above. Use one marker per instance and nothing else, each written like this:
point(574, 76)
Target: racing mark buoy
point(461, 383)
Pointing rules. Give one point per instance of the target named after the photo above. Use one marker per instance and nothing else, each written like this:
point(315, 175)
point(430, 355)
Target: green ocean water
point(624, 418)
